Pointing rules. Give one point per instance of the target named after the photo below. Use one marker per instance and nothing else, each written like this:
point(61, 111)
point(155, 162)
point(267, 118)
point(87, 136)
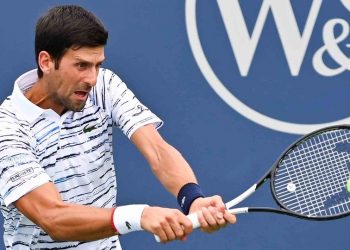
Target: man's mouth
point(81, 95)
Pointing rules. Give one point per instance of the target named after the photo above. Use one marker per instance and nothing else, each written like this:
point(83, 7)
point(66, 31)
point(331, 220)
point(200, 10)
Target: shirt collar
point(25, 109)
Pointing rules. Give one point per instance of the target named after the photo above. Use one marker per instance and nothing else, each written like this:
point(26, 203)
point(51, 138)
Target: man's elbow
point(50, 222)
point(163, 152)
point(56, 235)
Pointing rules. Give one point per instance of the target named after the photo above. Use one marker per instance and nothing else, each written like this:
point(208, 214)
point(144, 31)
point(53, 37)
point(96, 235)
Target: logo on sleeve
point(139, 110)
point(21, 174)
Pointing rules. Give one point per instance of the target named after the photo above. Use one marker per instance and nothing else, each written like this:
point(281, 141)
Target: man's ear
point(46, 63)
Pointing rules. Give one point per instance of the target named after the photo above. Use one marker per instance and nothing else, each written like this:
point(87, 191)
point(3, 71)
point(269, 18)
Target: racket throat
point(242, 197)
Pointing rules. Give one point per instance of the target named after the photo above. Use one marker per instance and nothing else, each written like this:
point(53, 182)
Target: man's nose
point(91, 77)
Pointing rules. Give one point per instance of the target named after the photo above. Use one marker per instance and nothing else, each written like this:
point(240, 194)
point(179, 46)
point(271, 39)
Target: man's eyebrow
point(81, 60)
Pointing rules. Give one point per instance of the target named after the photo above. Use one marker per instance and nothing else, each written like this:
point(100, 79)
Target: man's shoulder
point(6, 110)
point(8, 117)
point(106, 76)
point(107, 80)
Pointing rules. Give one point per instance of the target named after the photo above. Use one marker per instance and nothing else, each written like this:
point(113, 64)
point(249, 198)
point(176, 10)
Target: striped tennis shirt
point(74, 151)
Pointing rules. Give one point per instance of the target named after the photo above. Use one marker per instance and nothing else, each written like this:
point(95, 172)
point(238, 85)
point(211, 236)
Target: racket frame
point(271, 175)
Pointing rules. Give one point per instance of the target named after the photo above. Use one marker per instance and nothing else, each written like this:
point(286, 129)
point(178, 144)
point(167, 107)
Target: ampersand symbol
point(346, 4)
point(331, 46)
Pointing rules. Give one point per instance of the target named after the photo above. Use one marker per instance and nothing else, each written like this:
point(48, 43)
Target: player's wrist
point(187, 195)
point(127, 219)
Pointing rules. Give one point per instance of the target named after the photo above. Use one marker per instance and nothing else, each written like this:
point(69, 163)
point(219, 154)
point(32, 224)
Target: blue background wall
point(149, 49)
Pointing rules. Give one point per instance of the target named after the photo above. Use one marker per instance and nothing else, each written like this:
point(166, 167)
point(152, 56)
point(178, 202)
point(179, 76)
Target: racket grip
point(194, 219)
point(195, 223)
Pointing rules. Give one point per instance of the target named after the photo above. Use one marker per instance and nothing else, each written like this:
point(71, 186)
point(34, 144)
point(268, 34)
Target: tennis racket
point(308, 181)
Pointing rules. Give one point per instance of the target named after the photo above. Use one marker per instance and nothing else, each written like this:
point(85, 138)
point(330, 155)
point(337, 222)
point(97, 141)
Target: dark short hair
point(64, 27)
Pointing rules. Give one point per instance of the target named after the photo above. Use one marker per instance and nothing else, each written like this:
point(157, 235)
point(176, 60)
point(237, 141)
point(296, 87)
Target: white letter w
point(294, 44)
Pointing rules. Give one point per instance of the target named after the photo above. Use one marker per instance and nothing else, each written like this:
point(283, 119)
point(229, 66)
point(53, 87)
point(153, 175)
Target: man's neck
point(38, 95)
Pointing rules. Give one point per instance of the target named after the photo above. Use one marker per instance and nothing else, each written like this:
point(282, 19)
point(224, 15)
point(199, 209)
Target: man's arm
point(174, 172)
point(65, 221)
point(166, 162)
point(72, 222)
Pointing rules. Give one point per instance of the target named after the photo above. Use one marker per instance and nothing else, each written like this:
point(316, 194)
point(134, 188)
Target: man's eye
point(81, 65)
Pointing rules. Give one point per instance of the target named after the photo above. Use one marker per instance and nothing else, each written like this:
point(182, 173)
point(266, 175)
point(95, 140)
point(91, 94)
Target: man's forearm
point(79, 223)
point(166, 162)
point(172, 169)
point(65, 221)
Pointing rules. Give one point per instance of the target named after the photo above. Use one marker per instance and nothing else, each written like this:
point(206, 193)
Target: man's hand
point(212, 214)
point(168, 224)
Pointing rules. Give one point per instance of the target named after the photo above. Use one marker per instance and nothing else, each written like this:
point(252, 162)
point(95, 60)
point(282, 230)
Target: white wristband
point(127, 219)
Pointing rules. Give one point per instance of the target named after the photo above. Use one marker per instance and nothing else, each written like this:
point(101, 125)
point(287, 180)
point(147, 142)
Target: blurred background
point(278, 60)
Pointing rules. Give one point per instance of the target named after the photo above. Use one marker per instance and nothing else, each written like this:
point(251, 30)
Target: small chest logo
point(88, 129)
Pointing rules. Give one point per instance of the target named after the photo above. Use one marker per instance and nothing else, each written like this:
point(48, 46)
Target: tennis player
point(57, 178)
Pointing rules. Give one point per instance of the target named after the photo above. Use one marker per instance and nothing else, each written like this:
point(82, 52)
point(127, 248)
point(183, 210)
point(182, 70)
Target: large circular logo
point(244, 47)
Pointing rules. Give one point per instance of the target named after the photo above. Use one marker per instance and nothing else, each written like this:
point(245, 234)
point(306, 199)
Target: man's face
point(73, 80)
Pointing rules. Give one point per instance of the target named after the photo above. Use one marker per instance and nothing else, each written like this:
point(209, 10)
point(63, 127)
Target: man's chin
point(76, 108)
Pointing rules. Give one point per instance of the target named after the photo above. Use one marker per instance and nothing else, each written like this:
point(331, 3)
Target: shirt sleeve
point(127, 112)
point(20, 171)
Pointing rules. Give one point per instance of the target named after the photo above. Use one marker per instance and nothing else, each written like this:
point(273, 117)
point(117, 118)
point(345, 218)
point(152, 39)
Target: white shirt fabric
point(74, 151)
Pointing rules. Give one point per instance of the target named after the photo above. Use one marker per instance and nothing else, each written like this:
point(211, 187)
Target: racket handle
point(242, 210)
point(195, 223)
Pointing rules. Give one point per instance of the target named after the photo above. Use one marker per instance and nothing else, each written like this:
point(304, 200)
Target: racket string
point(326, 183)
point(319, 172)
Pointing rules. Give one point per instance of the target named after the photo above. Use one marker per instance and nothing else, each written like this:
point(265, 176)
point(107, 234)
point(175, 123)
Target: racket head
point(310, 178)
